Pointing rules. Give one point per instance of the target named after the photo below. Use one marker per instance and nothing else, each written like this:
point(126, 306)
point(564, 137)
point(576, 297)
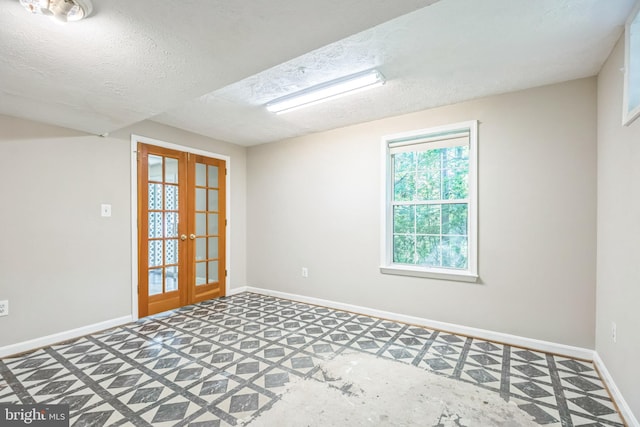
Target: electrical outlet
point(305, 272)
point(4, 308)
point(614, 332)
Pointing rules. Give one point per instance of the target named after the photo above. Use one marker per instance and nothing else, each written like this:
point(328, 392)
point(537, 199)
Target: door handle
point(192, 236)
point(183, 237)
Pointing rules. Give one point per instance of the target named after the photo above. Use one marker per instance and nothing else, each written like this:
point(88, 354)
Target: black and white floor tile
point(223, 362)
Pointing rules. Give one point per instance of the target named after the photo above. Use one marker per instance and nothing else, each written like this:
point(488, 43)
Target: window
point(430, 203)
point(631, 108)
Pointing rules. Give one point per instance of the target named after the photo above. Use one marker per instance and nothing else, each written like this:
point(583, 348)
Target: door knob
point(183, 237)
point(192, 236)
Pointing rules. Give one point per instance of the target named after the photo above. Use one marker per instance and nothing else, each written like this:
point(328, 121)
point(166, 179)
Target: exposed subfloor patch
point(230, 361)
point(356, 389)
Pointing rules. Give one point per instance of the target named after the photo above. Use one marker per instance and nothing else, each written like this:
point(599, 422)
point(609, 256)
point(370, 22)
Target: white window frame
point(386, 253)
point(631, 63)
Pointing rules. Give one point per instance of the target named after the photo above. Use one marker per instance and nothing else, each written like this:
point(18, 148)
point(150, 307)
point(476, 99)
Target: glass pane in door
point(171, 171)
point(163, 206)
point(155, 253)
point(207, 208)
point(201, 174)
point(213, 271)
point(212, 174)
point(201, 250)
point(155, 168)
point(155, 281)
point(171, 279)
point(201, 273)
point(213, 200)
point(171, 252)
point(155, 196)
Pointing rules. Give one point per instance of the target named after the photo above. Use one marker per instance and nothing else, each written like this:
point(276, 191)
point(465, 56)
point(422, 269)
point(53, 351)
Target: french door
point(181, 230)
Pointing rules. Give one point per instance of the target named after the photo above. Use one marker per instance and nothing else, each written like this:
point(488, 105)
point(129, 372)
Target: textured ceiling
point(131, 60)
point(210, 67)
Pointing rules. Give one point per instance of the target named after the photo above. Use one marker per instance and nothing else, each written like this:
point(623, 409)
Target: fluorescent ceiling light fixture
point(326, 91)
point(61, 10)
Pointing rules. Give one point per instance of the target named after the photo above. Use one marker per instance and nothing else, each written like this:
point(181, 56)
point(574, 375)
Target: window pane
point(171, 197)
point(171, 170)
point(213, 271)
point(428, 219)
point(428, 248)
point(201, 226)
point(454, 252)
point(456, 157)
point(201, 199)
point(155, 168)
point(201, 248)
point(455, 183)
point(171, 279)
point(404, 162)
point(155, 281)
point(155, 196)
point(155, 253)
point(403, 219)
point(170, 224)
point(155, 224)
point(213, 200)
point(404, 249)
point(428, 185)
point(201, 173)
point(213, 247)
point(201, 273)
point(213, 176)
point(404, 174)
point(171, 252)
point(404, 186)
point(454, 219)
point(455, 173)
point(429, 159)
point(213, 224)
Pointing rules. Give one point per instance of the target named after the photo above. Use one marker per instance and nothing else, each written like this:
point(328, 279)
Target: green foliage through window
point(430, 206)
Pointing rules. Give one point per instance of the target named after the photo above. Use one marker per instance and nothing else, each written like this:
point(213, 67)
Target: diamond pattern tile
point(220, 362)
point(529, 371)
point(481, 375)
point(532, 390)
point(540, 415)
point(438, 364)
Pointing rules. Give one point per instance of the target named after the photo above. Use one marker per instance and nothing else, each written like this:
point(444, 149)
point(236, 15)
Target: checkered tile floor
point(222, 362)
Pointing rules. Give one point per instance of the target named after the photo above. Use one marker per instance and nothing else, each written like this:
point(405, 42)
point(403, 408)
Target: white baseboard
point(24, 346)
point(237, 290)
point(515, 340)
point(624, 408)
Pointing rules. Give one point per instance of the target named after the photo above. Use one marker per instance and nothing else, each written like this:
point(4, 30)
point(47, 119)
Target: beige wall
point(314, 202)
point(618, 278)
point(62, 266)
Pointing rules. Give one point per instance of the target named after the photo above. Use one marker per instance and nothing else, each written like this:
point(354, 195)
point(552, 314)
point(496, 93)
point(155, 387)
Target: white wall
point(62, 266)
point(618, 277)
point(314, 201)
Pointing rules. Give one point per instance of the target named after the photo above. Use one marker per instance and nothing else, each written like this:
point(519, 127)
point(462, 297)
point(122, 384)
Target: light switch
point(105, 210)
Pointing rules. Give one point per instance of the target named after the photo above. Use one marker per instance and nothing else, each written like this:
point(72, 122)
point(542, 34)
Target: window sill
point(462, 276)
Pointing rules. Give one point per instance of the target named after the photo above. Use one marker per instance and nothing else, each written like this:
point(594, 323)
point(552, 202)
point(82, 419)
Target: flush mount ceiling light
point(326, 91)
point(61, 10)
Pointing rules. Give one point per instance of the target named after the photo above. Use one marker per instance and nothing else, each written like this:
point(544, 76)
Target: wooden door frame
point(134, 209)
